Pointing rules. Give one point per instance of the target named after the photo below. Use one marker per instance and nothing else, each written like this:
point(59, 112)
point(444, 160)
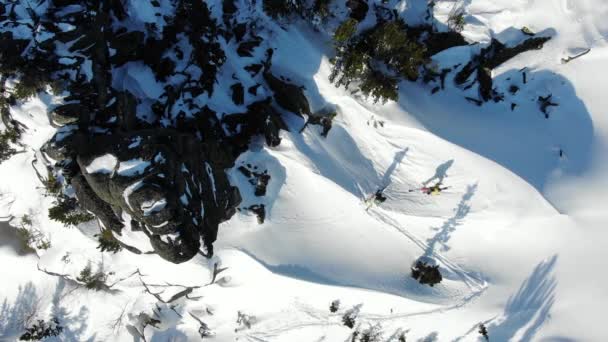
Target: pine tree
point(282, 8)
point(108, 242)
point(483, 331)
point(93, 280)
point(375, 57)
point(335, 306)
point(379, 86)
point(426, 274)
point(67, 212)
point(349, 318)
point(345, 31)
point(8, 137)
point(42, 330)
point(371, 334)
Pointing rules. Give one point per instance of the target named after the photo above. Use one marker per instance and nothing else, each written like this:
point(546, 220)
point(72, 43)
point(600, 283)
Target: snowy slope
point(519, 235)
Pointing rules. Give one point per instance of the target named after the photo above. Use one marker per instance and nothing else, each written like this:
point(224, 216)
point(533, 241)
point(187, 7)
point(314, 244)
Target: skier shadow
point(530, 307)
point(397, 159)
point(444, 233)
point(440, 172)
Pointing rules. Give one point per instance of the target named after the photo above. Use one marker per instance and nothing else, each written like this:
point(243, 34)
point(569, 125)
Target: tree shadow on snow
point(29, 306)
point(171, 334)
point(23, 311)
point(74, 323)
point(529, 308)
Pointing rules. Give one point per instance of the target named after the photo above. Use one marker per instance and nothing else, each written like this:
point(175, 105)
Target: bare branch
point(180, 294)
point(216, 271)
point(570, 58)
point(184, 293)
point(125, 278)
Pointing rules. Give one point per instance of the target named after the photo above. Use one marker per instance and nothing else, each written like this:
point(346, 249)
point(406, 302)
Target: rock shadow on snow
point(521, 139)
point(294, 271)
point(339, 159)
point(10, 238)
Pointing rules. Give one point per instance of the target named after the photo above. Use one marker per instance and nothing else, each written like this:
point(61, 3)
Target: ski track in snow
point(420, 136)
point(474, 283)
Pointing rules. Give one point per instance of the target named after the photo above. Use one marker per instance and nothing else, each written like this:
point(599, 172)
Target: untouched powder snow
point(520, 236)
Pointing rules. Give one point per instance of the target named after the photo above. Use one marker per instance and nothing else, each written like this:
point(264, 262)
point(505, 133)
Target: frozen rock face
point(170, 185)
point(162, 182)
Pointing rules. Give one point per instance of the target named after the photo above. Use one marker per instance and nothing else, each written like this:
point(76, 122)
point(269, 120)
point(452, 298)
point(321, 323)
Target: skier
point(379, 197)
point(432, 190)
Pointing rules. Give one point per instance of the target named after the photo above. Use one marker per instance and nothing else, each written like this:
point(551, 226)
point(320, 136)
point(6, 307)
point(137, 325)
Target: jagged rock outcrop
point(67, 113)
point(491, 57)
point(288, 95)
point(436, 42)
point(161, 178)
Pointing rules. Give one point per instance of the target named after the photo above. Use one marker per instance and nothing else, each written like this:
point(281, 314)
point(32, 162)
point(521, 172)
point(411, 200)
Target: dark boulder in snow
point(259, 180)
point(440, 41)
point(238, 93)
point(127, 46)
point(245, 49)
point(260, 212)
point(288, 95)
point(260, 119)
point(67, 113)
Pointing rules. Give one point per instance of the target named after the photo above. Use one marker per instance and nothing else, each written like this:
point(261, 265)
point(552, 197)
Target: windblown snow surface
point(520, 235)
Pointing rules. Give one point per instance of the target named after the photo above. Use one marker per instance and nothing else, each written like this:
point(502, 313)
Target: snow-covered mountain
point(518, 235)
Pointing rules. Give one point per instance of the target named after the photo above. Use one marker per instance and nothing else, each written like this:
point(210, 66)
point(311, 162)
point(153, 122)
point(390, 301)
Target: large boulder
point(163, 179)
point(67, 113)
point(288, 95)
